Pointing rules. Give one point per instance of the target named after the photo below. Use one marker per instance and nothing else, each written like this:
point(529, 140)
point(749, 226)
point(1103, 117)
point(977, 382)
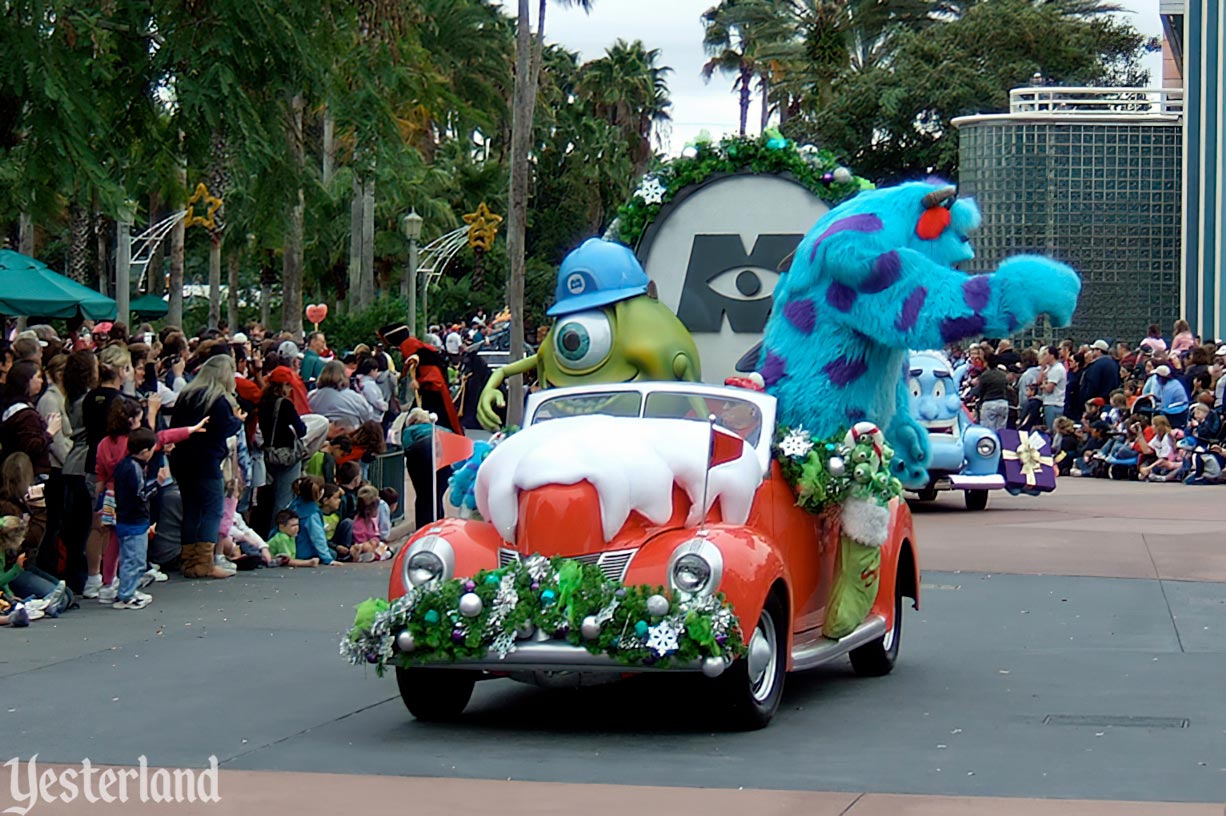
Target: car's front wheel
point(927, 494)
point(435, 695)
point(877, 658)
point(976, 500)
point(753, 686)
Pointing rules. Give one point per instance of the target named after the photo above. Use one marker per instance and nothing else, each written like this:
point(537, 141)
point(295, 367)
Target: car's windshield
point(741, 417)
point(615, 403)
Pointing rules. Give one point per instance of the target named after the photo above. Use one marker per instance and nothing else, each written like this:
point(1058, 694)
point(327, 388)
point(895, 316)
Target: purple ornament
point(535, 585)
point(621, 593)
point(457, 635)
point(721, 639)
point(469, 586)
point(827, 178)
point(371, 657)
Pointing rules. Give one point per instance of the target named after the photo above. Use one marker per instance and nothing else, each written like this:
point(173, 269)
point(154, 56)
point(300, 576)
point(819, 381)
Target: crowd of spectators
point(1153, 411)
point(125, 457)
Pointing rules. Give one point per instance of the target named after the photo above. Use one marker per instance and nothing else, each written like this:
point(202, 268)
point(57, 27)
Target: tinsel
point(768, 153)
point(550, 595)
point(806, 464)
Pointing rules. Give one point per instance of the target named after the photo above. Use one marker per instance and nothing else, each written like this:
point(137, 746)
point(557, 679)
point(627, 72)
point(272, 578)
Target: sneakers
point(158, 575)
point(57, 599)
point(139, 600)
point(108, 594)
point(93, 586)
point(19, 617)
point(225, 563)
point(149, 578)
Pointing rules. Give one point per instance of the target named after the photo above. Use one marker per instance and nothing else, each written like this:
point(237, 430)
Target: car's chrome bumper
point(558, 655)
point(959, 481)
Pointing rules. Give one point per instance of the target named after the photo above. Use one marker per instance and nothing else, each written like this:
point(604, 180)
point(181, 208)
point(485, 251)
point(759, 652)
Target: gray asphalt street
point(1008, 685)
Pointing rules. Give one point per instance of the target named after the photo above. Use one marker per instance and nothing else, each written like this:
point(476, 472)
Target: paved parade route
point(1059, 653)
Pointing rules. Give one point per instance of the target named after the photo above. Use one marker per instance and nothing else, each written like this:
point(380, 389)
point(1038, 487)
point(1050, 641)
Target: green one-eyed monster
point(608, 330)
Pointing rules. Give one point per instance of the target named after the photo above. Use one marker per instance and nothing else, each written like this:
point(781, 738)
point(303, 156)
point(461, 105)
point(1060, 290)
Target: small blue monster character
point(964, 454)
point(876, 277)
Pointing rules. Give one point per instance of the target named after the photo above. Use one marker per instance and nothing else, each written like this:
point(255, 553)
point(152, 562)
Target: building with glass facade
point(1091, 177)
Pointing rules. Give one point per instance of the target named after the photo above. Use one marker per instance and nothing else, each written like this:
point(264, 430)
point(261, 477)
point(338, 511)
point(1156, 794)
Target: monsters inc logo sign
point(714, 255)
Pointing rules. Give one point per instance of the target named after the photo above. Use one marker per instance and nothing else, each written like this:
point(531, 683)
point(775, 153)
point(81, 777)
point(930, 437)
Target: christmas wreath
point(771, 153)
point(561, 598)
point(826, 473)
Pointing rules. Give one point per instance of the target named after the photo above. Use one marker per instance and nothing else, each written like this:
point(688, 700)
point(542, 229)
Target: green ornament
point(863, 473)
point(881, 480)
point(860, 454)
point(431, 616)
point(548, 597)
point(641, 628)
point(830, 446)
point(492, 579)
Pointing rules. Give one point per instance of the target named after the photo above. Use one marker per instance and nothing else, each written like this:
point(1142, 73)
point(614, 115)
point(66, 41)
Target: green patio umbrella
point(28, 288)
point(149, 305)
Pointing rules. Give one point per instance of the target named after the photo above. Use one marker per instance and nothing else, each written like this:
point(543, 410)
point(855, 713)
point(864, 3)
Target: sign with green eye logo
point(715, 252)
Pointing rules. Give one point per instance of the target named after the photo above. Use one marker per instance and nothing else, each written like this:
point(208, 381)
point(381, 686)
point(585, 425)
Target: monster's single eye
point(748, 283)
point(916, 389)
point(938, 390)
point(583, 339)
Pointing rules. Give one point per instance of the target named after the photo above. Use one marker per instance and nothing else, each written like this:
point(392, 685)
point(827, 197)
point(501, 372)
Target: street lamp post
point(408, 288)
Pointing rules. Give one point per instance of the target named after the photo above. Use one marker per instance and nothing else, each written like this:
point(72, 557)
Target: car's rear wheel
point(976, 500)
point(927, 494)
point(752, 687)
point(877, 658)
point(435, 695)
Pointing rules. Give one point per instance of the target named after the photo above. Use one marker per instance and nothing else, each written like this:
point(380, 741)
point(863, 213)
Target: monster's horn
point(943, 197)
point(786, 262)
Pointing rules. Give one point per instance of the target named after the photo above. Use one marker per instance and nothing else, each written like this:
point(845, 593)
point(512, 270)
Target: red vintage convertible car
point(774, 562)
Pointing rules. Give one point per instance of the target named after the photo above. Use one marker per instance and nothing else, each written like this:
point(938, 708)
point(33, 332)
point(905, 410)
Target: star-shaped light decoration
point(662, 639)
point(651, 191)
point(482, 227)
point(212, 206)
point(796, 444)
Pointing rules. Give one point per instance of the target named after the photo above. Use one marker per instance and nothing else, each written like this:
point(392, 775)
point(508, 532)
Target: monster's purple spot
point(844, 371)
point(957, 328)
point(773, 368)
point(865, 222)
point(855, 415)
point(802, 314)
point(976, 292)
point(887, 268)
point(841, 297)
point(911, 309)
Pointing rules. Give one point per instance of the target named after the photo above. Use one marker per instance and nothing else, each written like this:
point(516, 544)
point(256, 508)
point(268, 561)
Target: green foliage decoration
point(825, 473)
point(554, 596)
point(769, 153)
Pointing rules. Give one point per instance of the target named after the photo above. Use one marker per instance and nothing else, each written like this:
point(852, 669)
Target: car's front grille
point(612, 563)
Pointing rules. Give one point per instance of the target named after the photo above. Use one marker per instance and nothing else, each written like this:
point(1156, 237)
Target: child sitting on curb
point(311, 540)
point(283, 547)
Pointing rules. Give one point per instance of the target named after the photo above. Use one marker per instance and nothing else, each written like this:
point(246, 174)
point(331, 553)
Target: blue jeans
point(1050, 413)
point(283, 495)
point(202, 505)
point(132, 563)
point(34, 583)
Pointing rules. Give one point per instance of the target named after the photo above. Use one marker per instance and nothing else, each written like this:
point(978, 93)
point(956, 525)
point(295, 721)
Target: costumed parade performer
point(608, 330)
point(427, 367)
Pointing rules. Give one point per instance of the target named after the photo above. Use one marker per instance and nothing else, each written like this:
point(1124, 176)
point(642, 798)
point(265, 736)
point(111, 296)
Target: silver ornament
point(837, 467)
point(713, 666)
point(540, 636)
point(404, 641)
point(690, 152)
point(590, 628)
point(525, 630)
point(657, 605)
point(470, 605)
point(842, 175)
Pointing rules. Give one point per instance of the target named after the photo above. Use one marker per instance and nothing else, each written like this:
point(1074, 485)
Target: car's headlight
point(696, 567)
point(430, 558)
point(986, 446)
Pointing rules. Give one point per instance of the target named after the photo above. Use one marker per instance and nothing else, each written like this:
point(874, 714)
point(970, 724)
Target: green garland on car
point(467, 618)
point(818, 170)
point(825, 473)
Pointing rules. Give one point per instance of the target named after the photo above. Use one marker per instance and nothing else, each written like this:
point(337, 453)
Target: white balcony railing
point(1082, 102)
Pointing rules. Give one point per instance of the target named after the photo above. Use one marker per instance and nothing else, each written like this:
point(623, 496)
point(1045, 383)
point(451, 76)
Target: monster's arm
point(909, 440)
point(902, 299)
point(491, 399)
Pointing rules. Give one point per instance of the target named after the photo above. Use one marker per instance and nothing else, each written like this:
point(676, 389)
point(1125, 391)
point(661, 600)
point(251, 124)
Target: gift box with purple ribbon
point(1026, 462)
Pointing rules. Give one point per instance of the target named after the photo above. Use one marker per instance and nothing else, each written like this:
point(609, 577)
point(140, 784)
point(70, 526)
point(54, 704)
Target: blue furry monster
point(464, 478)
point(874, 278)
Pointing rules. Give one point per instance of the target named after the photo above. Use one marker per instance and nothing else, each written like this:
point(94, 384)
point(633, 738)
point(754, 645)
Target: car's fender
point(899, 562)
point(978, 464)
point(475, 544)
point(752, 565)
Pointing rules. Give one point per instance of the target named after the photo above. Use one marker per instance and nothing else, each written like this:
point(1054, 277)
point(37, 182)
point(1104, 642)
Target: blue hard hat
point(596, 274)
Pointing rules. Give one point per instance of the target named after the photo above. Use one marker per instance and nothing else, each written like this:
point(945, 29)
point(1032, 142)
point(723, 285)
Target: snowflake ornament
point(538, 567)
point(605, 615)
point(504, 644)
point(662, 639)
point(796, 444)
point(651, 191)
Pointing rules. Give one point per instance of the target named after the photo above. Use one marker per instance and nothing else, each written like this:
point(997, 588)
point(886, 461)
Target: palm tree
point(730, 43)
point(528, 56)
point(629, 91)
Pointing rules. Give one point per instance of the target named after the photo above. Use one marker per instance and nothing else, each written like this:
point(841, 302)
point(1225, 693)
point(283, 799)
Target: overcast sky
point(673, 26)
